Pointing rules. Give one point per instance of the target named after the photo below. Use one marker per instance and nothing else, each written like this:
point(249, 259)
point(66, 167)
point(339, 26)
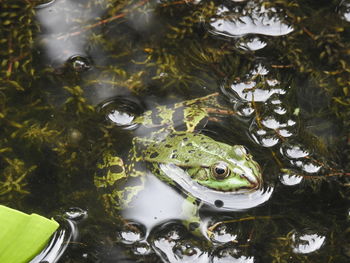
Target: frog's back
point(187, 149)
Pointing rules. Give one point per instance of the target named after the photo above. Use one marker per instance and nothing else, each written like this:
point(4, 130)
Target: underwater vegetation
point(74, 74)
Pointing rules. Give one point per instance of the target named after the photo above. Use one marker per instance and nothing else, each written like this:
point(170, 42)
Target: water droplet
point(76, 213)
point(132, 232)
point(289, 177)
point(293, 151)
point(247, 91)
point(285, 133)
point(308, 242)
point(263, 137)
point(142, 249)
point(79, 63)
point(344, 10)
point(276, 101)
point(280, 110)
point(221, 235)
point(122, 112)
point(272, 82)
point(252, 44)
point(271, 123)
point(307, 166)
point(249, 21)
point(230, 254)
point(243, 109)
point(186, 250)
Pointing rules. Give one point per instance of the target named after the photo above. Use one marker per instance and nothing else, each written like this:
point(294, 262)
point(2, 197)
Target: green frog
point(171, 138)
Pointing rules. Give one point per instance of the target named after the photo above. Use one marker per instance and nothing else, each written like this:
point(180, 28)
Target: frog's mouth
point(233, 200)
point(234, 184)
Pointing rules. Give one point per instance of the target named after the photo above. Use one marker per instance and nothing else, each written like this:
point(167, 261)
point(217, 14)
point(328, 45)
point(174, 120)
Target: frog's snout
point(254, 180)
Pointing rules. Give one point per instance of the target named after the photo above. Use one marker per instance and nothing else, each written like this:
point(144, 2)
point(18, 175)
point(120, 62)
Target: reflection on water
point(307, 243)
point(279, 67)
point(67, 232)
point(157, 203)
point(250, 20)
point(231, 201)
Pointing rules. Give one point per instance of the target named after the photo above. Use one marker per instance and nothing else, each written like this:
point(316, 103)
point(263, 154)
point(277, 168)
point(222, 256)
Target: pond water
point(90, 86)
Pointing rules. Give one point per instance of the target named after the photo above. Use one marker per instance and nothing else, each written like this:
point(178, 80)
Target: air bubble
point(263, 137)
point(122, 112)
point(294, 151)
point(221, 235)
point(290, 178)
point(307, 242)
point(142, 249)
point(231, 254)
point(79, 63)
point(132, 233)
point(76, 214)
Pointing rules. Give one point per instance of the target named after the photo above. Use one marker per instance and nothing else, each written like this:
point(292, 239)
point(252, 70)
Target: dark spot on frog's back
point(167, 146)
point(113, 169)
point(116, 169)
point(154, 155)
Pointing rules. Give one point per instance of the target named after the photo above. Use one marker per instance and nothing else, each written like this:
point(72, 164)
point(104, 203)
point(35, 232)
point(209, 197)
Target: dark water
point(75, 74)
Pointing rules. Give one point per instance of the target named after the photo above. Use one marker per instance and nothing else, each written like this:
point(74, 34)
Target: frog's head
point(236, 171)
point(216, 165)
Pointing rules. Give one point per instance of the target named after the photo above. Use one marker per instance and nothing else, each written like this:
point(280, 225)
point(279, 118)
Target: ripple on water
point(59, 242)
point(231, 201)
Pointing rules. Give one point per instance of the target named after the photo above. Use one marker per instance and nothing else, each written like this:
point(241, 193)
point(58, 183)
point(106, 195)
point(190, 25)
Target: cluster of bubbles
point(260, 99)
point(172, 243)
point(248, 24)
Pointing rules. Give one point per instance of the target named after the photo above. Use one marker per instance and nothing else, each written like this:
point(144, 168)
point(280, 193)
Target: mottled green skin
point(195, 153)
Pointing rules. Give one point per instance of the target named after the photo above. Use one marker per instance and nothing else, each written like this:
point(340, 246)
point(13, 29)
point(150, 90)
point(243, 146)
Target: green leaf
point(23, 236)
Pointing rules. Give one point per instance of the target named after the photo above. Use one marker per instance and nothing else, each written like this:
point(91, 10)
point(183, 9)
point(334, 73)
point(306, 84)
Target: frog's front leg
point(190, 211)
point(112, 181)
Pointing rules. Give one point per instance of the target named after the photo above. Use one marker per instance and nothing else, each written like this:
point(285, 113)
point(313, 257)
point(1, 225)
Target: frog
point(169, 140)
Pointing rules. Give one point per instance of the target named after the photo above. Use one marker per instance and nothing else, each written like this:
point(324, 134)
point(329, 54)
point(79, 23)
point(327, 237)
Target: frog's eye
point(220, 170)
